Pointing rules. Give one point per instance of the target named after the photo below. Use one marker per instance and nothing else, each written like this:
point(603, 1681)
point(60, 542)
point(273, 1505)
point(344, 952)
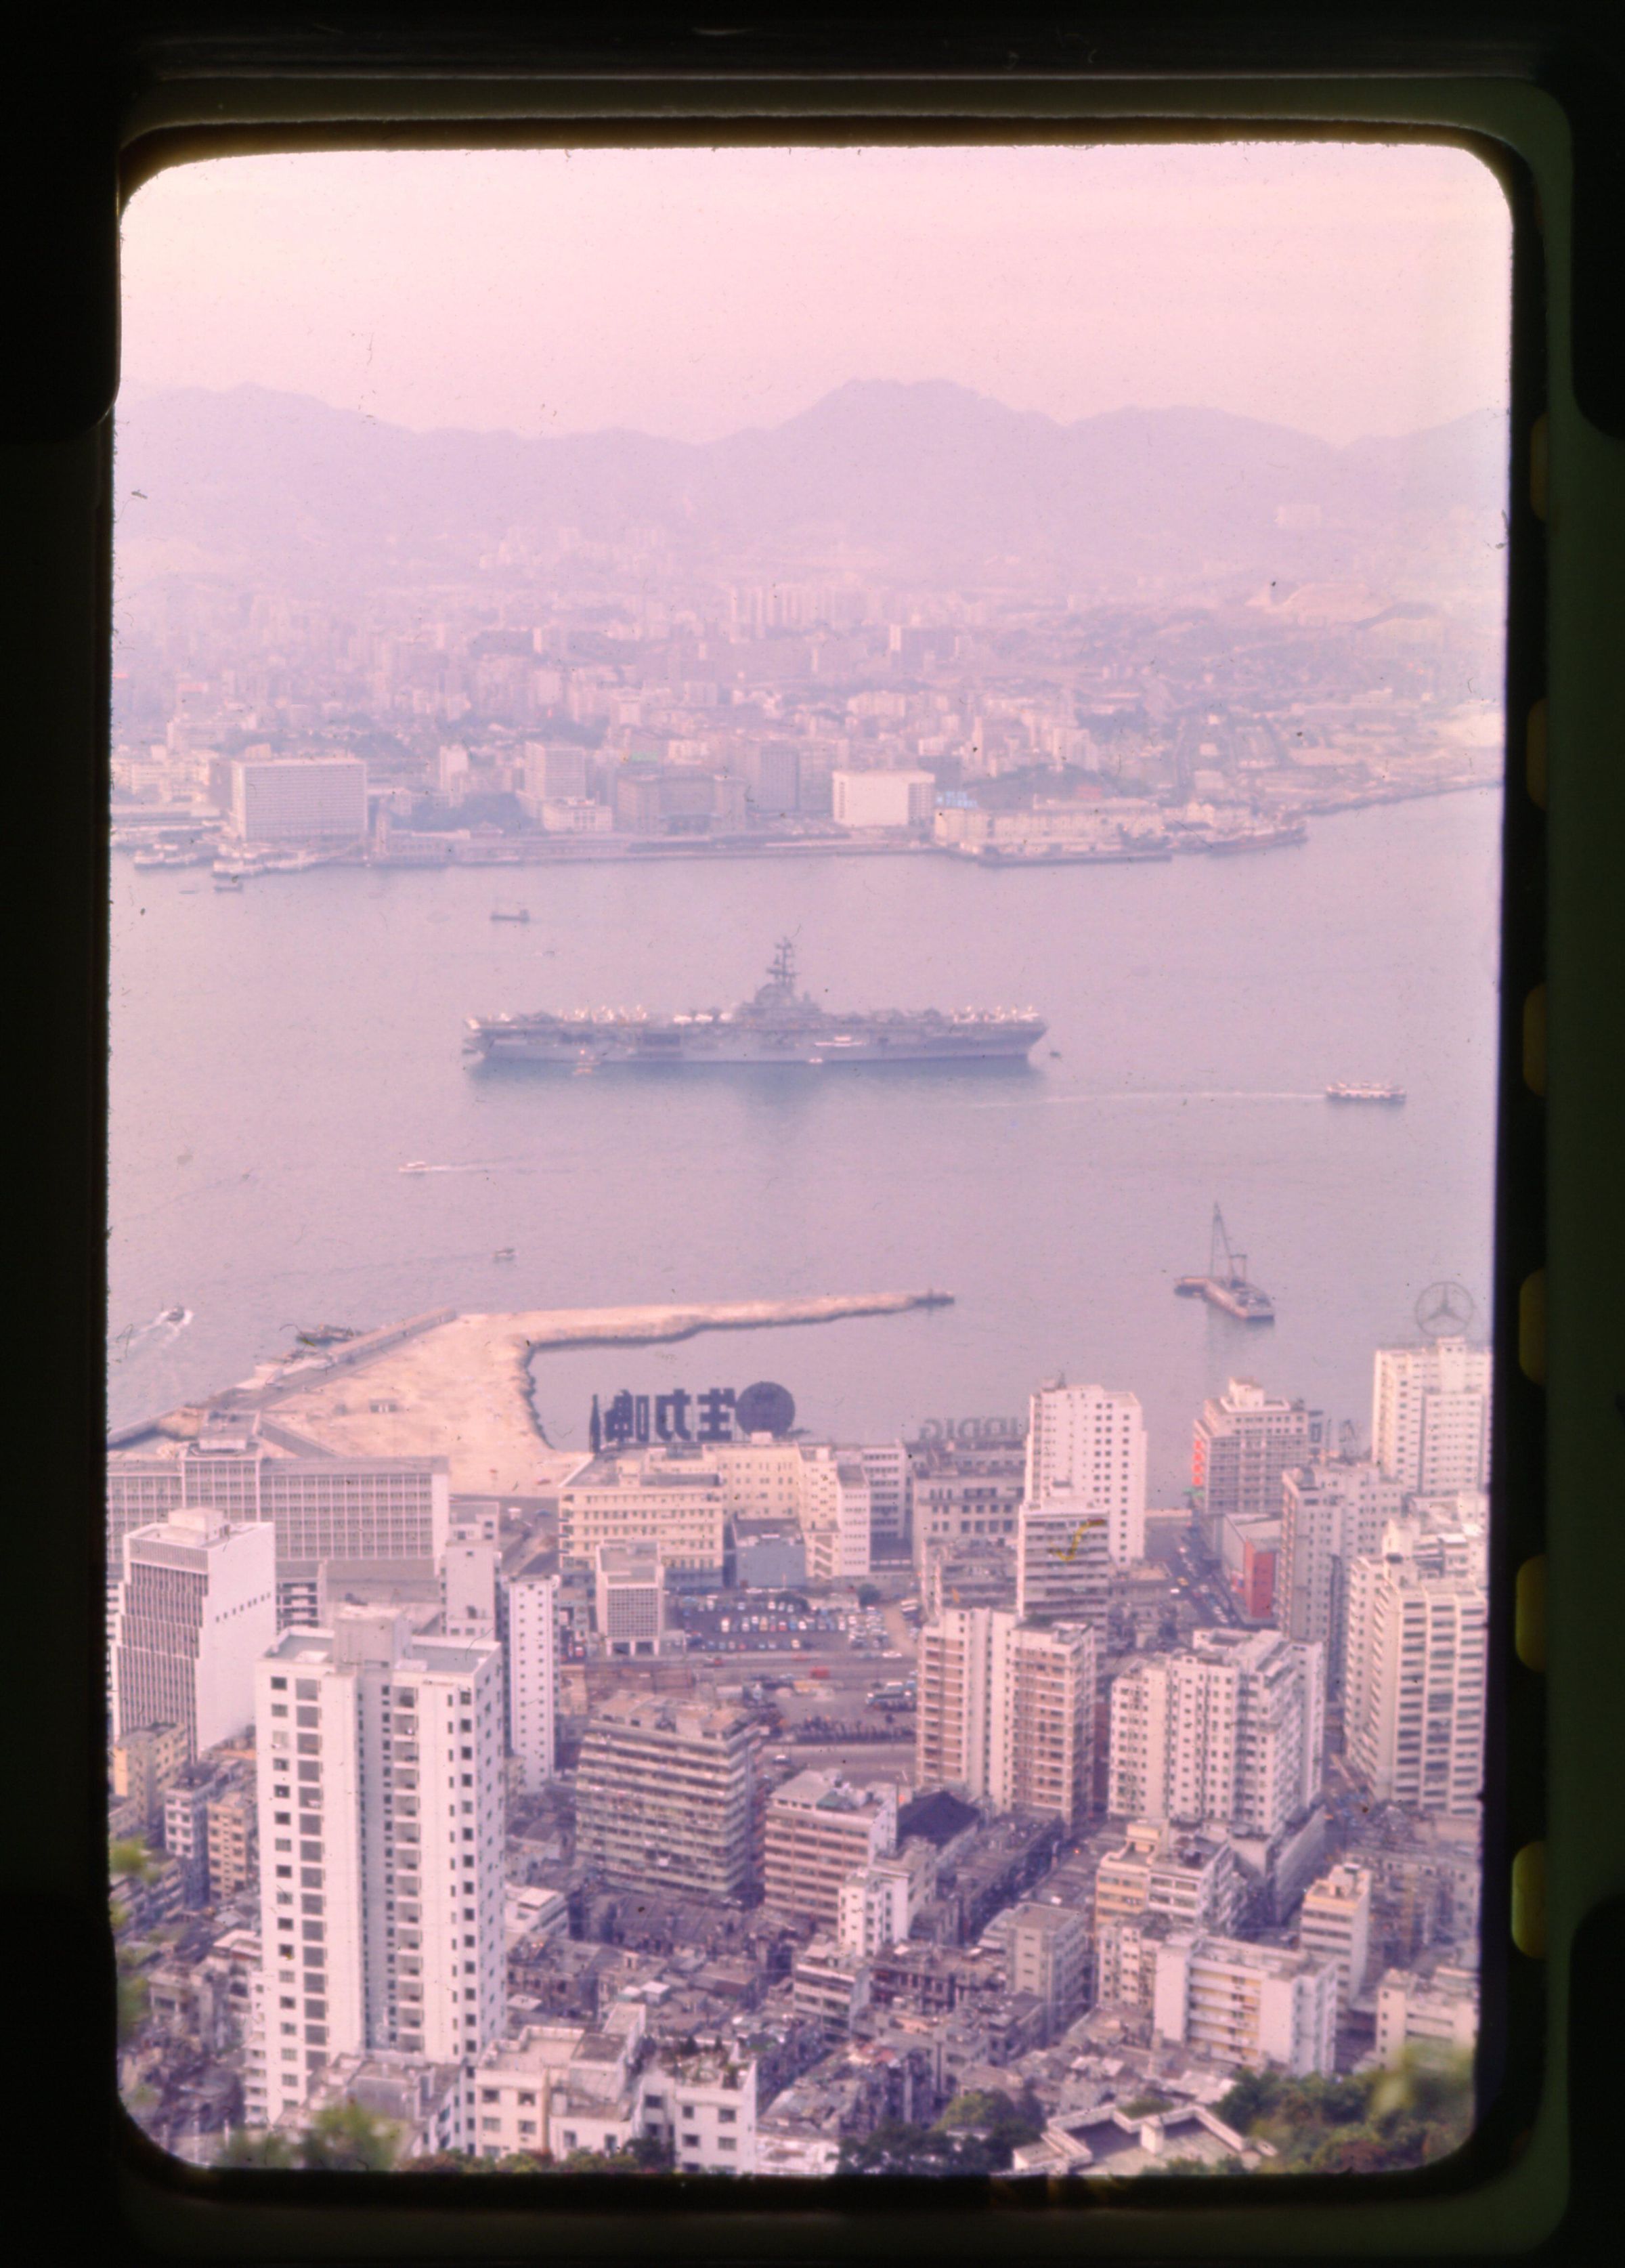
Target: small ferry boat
point(415, 1165)
point(1343, 1091)
point(511, 913)
point(506, 1254)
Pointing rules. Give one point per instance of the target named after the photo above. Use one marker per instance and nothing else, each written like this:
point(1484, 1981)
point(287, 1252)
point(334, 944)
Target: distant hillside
point(935, 478)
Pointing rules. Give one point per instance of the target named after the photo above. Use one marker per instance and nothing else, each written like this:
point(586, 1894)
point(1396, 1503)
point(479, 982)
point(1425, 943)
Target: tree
point(134, 2001)
point(345, 2138)
point(243, 2147)
point(1370, 2122)
point(129, 1855)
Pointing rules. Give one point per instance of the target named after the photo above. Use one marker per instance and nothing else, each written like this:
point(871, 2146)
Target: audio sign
point(629, 1420)
point(973, 1432)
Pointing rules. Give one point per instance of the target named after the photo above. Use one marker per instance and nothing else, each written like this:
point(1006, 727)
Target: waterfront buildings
point(1006, 1711)
point(352, 1517)
point(299, 799)
point(669, 1796)
point(382, 1839)
point(1228, 1730)
point(1414, 1703)
point(1088, 1444)
point(1431, 1416)
point(673, 1495)
point(820, 1831)
point(883, 798)
point(196, 1604)
point(1331, 1515)
point(531, 1652)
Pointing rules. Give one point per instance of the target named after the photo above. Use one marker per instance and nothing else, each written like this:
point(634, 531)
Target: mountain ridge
point(927, 471)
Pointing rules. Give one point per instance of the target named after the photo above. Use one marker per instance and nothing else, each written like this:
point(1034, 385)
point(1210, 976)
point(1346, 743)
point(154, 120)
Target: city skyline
point(556, 592)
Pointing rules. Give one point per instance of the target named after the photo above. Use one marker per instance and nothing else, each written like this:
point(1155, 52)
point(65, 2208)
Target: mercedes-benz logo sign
point(764, 1407)
point(1444, 1310)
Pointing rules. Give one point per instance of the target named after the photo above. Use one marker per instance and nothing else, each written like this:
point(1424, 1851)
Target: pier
point(458, 1386)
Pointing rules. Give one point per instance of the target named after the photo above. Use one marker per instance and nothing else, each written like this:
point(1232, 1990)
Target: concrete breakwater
point(461, 1388)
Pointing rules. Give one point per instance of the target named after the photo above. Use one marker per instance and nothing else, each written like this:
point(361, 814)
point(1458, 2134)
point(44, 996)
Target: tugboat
point(511, 913)
point(506, 1254)
point(1343, 1091)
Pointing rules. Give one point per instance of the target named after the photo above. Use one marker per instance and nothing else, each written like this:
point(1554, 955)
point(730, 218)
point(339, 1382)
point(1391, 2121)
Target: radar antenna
point(783, 972)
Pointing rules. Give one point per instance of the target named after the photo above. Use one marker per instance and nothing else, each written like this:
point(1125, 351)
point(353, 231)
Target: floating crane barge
point(1226, 1285)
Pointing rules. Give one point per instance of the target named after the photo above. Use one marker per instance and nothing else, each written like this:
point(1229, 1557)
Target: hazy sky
point(1341, 289)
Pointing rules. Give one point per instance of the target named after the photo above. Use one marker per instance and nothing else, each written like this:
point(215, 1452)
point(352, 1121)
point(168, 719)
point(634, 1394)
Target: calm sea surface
point(278, 1054)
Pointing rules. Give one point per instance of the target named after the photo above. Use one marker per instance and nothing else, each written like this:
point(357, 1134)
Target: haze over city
point(1340, 289)
point(805, 966)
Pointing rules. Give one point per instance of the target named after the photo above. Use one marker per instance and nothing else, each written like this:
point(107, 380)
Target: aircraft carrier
point(777, 1025)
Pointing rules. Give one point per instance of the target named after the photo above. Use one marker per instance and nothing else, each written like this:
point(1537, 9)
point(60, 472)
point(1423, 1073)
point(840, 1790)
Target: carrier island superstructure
point(777, 1025)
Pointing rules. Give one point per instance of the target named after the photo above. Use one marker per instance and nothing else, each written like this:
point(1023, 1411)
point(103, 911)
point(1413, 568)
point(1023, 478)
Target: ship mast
point(783, 972)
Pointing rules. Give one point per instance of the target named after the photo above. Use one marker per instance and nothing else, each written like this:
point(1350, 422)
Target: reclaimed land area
point(459, 1385)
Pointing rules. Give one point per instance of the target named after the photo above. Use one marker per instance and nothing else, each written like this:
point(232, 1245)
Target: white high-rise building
point(1237, 2003)
point(1416, 1659)
point(835, 1513)
point(531, 1644)
point(1245, 1439)
point(1331, 1515)
point(381, 1836)
point(1229, 1731)
point(1431, 1416)
point(1088, 1443)
point(1334, 1924)
point(887, 1469)
point(874, 1909)
point(468, 1584)
point(1006, 1711)
point(298, 799)
point(195, 1608)
point(629, 1597)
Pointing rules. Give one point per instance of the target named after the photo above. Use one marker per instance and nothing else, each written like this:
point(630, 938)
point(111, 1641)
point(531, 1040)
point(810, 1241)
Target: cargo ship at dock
point(777, 1025)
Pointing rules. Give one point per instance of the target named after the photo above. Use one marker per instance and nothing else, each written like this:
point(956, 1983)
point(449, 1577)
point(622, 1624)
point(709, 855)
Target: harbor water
point(278, 1054)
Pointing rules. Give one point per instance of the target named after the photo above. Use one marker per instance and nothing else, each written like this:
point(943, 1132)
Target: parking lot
point(850, 1670)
